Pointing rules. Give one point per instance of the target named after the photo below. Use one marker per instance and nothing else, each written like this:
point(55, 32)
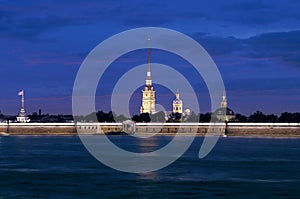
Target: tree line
point(259, 116)
point(256, 117)
point(101, 116)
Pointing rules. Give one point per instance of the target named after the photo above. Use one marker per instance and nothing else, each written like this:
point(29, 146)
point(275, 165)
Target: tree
point(191, 118)
point(109, 117)
point(175, 117)
point(143, 117)
point(205, 117)
point(100, 116)
point(158, 117)
point(136, 118)
point(258, 116)
point(1, 115)
point(240, 118)
point(272, 118)
point(289, 117)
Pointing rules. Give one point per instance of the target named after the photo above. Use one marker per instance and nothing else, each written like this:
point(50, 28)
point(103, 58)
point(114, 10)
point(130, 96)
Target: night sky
point(255, 44)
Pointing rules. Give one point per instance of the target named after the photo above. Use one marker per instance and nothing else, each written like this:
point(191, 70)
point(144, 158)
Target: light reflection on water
point(49, 167)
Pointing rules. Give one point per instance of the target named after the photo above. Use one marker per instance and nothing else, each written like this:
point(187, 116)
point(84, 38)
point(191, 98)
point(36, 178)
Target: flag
point(21, 93)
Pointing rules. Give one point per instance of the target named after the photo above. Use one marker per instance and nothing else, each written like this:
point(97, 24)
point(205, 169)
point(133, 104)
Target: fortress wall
point(165, 129)
point(3, 128)
point(40, 130)
point(58, 128)
point(95, 128)
point(272, 131)
point(233, 129)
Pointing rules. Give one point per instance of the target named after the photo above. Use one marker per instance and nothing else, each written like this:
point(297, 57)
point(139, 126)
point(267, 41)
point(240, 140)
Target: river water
point(60, 167)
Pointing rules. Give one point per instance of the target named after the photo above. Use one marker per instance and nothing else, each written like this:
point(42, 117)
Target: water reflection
point(146, 145)
point(154, 175)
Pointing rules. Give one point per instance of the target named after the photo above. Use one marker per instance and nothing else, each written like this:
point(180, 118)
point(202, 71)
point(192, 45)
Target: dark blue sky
point(255, 44)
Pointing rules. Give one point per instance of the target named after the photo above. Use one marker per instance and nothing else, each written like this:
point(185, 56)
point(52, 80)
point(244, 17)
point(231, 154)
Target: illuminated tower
point(22, 115)
point(224, 113)
point(177, 104)
point(224, 102)
point(148, 101)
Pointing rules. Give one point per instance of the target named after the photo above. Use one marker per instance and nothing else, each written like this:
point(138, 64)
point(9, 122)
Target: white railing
point(149, 124)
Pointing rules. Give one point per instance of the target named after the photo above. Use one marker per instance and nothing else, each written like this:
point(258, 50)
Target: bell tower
point(177, 104)
point(148, 101)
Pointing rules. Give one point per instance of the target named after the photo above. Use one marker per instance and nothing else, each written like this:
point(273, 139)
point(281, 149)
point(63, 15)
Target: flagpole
point(23, 99)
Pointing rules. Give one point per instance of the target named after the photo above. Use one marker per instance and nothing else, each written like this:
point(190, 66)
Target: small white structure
point(22, 115)
point(128, 126)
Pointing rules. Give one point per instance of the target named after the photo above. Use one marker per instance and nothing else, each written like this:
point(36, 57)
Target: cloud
point(263, 84)
point(218, 45)
point(29, 21)
point(282, 47)
point(254, 12)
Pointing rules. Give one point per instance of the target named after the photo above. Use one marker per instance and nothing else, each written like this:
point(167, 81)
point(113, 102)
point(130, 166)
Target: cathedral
point(148, 101)
point(148, 93)
point(224, 113)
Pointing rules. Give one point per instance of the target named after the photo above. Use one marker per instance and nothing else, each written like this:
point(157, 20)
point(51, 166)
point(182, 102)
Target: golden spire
point(148, 53)
point(177, 94)
point(148, 79)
